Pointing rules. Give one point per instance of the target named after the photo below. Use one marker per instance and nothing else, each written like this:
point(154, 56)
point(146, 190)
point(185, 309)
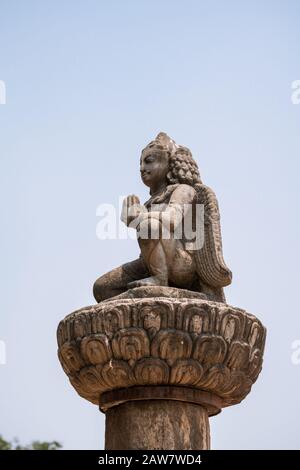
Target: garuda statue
point(168, 256)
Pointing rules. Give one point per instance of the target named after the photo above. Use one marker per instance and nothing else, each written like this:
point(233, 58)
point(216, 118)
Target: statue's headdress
point(163, 142)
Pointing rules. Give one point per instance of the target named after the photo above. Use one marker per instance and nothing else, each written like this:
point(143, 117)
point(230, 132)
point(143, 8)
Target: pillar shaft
point(157, 425)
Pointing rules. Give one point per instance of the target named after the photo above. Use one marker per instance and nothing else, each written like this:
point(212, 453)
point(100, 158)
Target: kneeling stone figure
point(178, 229)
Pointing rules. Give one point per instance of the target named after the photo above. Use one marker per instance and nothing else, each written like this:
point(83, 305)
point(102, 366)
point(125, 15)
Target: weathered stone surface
point(161, 341)
point(157, 425)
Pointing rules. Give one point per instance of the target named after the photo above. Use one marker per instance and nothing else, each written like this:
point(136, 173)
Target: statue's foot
point(149, 281)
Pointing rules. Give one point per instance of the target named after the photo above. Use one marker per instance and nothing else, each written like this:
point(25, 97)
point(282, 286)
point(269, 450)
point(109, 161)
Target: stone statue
point(162, 351)
point(172, 175)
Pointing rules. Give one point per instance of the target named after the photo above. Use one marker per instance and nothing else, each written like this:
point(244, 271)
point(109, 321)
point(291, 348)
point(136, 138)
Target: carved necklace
point(162, 197)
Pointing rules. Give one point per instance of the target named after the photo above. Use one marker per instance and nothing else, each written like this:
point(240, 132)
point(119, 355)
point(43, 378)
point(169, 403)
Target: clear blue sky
point(89, 83)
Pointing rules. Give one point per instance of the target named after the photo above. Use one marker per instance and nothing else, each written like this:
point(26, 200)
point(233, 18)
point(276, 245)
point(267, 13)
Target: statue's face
point(154, 167)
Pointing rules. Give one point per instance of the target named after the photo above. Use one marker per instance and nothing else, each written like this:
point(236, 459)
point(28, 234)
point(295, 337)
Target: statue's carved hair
point(183, 168)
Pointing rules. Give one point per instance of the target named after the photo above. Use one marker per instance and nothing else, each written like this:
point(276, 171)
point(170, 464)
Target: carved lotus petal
point(91, 378)
point(171, 345)
point(255, 335)
point(238, 356)
point(186, 372)
point(113, 321)
point(209, 350)
point(237, 385)
point(79, 327)
point(96, 349)
point(70, 357)
point(117, 374)
point(151, 371)
point(130, 344)
point(196, 319)
point(215, 378)
point(255, 364)
point(232, 325)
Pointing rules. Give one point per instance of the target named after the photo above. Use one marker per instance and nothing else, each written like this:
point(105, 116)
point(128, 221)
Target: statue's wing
point(211, 266)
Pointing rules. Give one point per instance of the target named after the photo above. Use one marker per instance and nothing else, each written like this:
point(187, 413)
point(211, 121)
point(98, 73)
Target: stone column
point(158, 417)
point(157, 424)
point(159, 362)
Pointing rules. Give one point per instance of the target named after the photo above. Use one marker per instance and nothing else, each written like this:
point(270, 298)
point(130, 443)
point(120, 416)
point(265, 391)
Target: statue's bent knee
point(99, 289)
point(152, 229)
point(104, 287)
